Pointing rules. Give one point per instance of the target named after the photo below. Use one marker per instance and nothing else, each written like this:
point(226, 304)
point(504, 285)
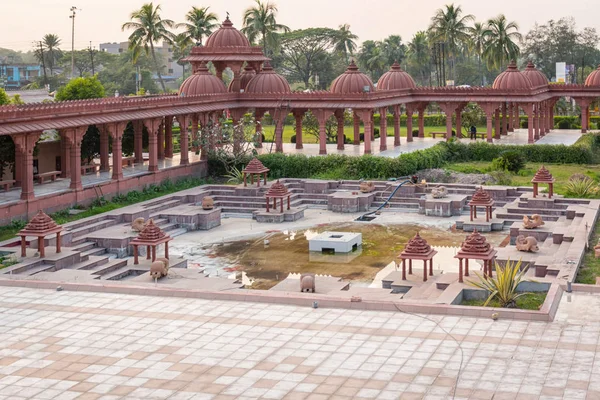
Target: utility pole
point(41, 50)
point(92, 57)
point(72, 16)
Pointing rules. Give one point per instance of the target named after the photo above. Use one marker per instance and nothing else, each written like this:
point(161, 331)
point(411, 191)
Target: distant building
point(172, 70)
point(14, 75)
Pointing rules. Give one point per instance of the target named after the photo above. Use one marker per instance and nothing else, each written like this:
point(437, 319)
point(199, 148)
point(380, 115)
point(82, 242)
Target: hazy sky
point(99, 21)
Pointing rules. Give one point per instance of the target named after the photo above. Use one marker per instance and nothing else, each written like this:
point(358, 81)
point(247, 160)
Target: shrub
point(293, 139)
point(510, 161)
point(580, 185)
point(376, 132)
point(501, 177)
point(525, 124)
point(415, 132)
point(564, 124)
point(504, 286)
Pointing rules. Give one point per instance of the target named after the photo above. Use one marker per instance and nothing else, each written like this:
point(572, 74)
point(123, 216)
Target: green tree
point(260, 20)
point(7, 147)
point(81, 89)
point(449, 25)
point(393, 49)
point(366, 53)
point(419, 58)
point(149, 28)
point(182, 44)
point(119, 74)
point(200, 23)
point(4, 99)
point(302, 51)
point(502, 46)
point(480, 34)
point(51, 43)
point(345, 41)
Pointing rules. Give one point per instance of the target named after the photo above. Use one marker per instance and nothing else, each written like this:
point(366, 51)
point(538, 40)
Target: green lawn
point(529, 301)
point(289, 131)
point(561, 172)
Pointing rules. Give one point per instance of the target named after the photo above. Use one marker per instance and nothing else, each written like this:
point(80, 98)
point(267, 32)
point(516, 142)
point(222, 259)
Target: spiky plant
point(502, 287)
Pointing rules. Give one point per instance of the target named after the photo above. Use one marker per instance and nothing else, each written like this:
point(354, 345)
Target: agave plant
point(503, 287)
point(234, 175)
point(580, 185)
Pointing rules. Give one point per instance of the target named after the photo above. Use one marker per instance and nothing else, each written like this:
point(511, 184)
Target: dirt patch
point(444, 176)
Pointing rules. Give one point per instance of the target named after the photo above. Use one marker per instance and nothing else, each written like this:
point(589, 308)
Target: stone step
point(93, 252)
point(109, 267)
point(22, 268)
point(236, 215)
point(121, 273)
point(177, 232)
point(84, 246)
point(90, 263)
point(39, 268)
point(88, 228)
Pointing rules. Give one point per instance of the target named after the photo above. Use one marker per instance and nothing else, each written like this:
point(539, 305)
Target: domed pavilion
point(543, 176)
point(417, 249)
point(352, 81)
point(202, 82)
point(475, 247)
point(593, 78)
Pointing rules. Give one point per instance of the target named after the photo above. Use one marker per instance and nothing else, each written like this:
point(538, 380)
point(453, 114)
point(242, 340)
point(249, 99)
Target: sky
point(99, 21)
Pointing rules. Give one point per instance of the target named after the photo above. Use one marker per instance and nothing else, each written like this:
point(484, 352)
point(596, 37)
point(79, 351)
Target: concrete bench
point(482, 135)
point(434, 134)
point(52, 175)
point(7, 184)
point(89, 168)
point(128, 161)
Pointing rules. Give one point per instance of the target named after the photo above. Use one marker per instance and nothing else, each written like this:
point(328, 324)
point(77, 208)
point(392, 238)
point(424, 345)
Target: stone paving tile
point(78, 345)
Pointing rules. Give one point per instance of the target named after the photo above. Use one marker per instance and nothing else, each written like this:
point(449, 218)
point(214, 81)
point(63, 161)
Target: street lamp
point(72, 16)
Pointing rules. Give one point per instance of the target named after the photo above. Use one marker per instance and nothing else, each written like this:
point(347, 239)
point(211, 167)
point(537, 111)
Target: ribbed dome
point(476, 244)
point(396, 78)
point(481, 197)
point(268, 81)
point(201, 82)
point(512, 79)
point(277, 190)
point(543, 176)
point(227, 36)
point(535, 76)
point(246, 77)
point(351, 81)
point(593, 79)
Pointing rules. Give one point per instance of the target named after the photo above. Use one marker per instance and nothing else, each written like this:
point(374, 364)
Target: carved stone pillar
point(153, 125)
point(322, 116)
point(383, 129)
point(497, 123)
point(161, 141)
point(356, 120)
point(75, 136)
point(104, 149)
point(341, 137)
point(409, 122)
point(184, 121)
point(169, 137)
point(298, 116)
point(25, 144)
point(138, 132)
point(116, 132)
point(65, 156)
point(396, 126)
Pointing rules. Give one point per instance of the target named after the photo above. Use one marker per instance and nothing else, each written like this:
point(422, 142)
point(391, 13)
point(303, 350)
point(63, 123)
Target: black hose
point(365, 216)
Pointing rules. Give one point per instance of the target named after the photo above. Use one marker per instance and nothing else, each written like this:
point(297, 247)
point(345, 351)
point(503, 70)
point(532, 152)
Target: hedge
point(373, 167)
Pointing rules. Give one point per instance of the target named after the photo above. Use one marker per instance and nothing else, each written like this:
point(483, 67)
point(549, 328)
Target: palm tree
point(480, 34)
point(377, 62)
point(260, 20)
point(182, 42)
point(366, 53)
point(419, 55)
point(502, 44)
point(450, 26)
point(148, 28)
point(53, 53)
point(393, 48)
point(344, 41)
point(200, 23)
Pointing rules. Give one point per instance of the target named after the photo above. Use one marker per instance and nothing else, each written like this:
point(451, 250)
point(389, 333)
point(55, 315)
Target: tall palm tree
point(260, 20)
point(450, 26)
point(502, 44)
point(344, 41)
point(377, 62)
point(53, 53)
point(480, 35)
point(419, 55)
point(149, 28)
point(182, 43)
point(393, 48)
point(200, 23)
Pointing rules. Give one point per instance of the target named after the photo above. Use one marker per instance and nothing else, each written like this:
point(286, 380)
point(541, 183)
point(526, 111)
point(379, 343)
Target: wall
point(46, 156)
point(56, 202)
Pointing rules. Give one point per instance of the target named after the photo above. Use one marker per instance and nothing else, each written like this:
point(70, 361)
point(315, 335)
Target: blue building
point(15, 76)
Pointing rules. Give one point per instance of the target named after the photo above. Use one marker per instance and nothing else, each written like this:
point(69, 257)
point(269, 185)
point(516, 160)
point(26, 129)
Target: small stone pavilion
point(475, 247)
point(417, 249)
point(255, 167)
point(543, 176)
point(40, 226)
point(481, 198)
point(278, 191)
point(151, 237)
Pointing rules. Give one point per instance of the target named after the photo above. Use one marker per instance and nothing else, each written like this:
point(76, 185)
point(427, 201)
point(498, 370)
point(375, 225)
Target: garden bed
point(529, 301)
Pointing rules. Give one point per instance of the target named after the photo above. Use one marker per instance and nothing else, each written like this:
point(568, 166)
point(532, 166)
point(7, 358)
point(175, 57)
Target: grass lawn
point(561, 172)
point(529, 301)
point(590, 267)
point(289, 131)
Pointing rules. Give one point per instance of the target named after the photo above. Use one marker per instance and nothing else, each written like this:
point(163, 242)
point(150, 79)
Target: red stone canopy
point(417, 248)
point(255, 167)
point(151, 237)
point(476, 247)
point(481, 198)
point(543, 176)
point(40, 226)
point(278, 191)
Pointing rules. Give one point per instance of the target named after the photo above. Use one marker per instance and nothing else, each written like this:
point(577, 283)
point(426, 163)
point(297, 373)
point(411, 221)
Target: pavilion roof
point(543, 176)
point(417, 248)
point(151, 234)
point(481, 198)
point(41, 225)
point(278, 190)
point(255, 167)
point(476, 246)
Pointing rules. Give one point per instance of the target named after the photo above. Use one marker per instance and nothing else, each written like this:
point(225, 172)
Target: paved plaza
point(79, 345)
